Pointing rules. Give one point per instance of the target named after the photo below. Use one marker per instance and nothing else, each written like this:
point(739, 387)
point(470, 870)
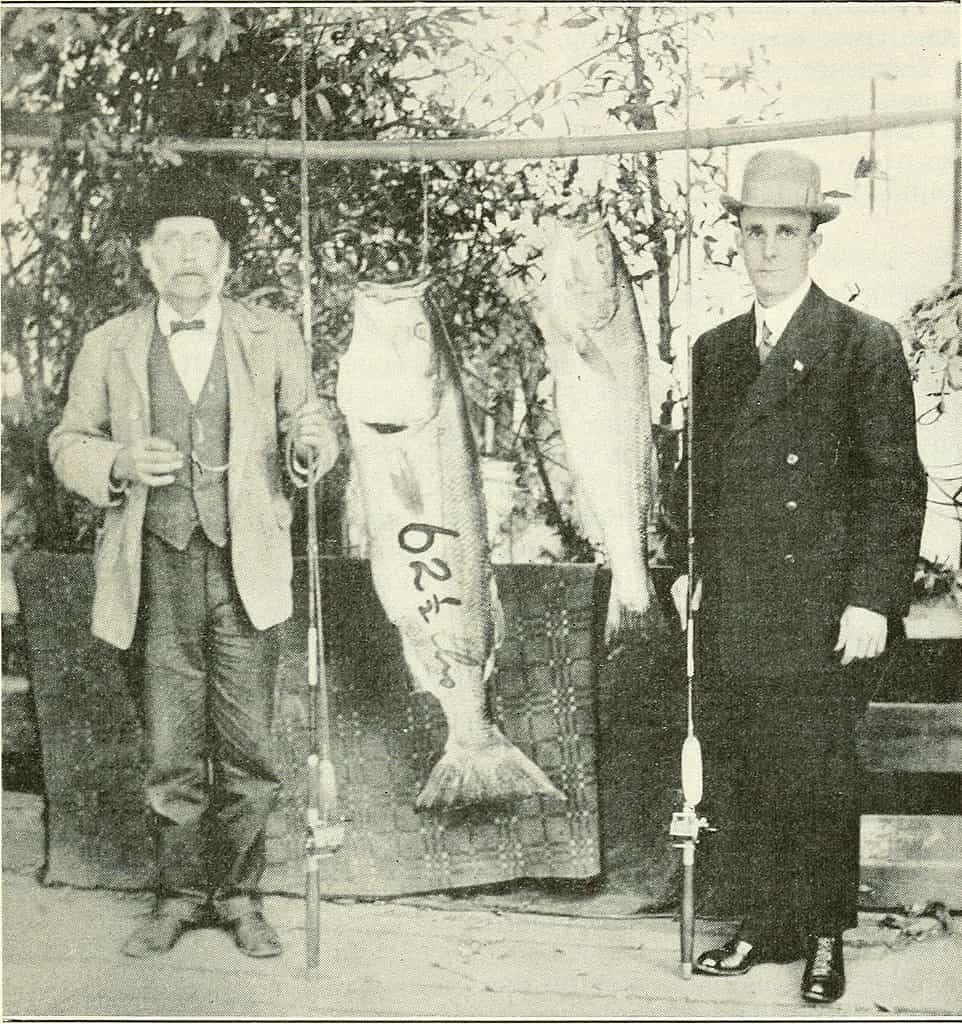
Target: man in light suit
point(176, 424)
point(808, 506)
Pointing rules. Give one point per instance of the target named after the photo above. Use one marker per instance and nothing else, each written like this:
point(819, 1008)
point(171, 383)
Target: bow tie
point(185, 325)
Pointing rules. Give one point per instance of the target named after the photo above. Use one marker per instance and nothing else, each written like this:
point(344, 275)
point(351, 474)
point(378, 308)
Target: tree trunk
point(644, 120)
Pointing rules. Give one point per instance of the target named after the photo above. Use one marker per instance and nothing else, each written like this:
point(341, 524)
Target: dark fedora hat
point(186, 191)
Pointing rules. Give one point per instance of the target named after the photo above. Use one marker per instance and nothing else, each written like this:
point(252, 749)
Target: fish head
point(581, 276)
point(391, 375)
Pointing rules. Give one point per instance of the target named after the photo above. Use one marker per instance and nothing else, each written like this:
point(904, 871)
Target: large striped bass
point(595, 346)
point(417, 467)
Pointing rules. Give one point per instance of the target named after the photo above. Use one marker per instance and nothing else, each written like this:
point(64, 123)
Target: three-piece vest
point(198, 495)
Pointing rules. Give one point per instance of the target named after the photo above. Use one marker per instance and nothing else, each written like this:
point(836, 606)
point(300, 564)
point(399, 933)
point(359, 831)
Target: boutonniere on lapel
point(798, 366)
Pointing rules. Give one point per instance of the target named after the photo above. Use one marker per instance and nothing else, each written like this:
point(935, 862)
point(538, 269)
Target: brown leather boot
point(253, 935)
point(156, 935)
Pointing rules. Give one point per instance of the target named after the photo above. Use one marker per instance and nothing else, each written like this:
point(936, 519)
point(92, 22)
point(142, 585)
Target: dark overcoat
point(808, 490)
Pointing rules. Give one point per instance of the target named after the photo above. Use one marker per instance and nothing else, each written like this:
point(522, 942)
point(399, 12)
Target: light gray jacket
point(109, 407)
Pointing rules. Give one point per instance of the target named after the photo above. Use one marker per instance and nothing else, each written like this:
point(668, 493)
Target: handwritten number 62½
point(443, 573)
point(426, 530)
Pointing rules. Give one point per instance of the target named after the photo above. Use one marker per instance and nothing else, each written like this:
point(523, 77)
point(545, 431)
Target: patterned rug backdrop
point(385, 740)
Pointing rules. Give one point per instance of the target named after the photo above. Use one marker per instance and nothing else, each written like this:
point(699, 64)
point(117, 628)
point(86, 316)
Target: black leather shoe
point(735, 957)
point(157, 935)
point(254, 936)
point(824, 977)
point(738, 956)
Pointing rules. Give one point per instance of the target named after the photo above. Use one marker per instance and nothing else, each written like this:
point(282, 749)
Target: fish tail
point(498, 771)
point(623, 621)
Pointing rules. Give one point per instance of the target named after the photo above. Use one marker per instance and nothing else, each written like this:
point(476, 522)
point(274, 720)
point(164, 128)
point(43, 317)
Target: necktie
point(764, 346)
point(185, 325)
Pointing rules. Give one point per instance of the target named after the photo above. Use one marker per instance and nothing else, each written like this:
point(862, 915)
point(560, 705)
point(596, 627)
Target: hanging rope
point(425, 225)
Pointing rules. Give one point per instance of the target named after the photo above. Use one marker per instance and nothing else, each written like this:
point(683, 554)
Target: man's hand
point(151, 460)
point(861, 634)
point(679, 594)
point(312, 433)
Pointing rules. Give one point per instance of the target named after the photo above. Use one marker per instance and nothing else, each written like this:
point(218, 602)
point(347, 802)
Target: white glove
point(862, 634)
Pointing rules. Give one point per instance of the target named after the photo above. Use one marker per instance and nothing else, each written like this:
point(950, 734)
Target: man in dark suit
point(808, 498)
point(176, 424)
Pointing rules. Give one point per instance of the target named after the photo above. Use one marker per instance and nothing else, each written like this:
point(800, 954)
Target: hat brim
point(822, 213)
point(182, 192)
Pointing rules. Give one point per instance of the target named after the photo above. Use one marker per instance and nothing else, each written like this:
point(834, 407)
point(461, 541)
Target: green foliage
point(932, 331)
point(156, 73)
point(209, 72)
point(933, 583)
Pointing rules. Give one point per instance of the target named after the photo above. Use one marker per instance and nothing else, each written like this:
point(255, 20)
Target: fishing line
point(686, 824)
point(688, 348)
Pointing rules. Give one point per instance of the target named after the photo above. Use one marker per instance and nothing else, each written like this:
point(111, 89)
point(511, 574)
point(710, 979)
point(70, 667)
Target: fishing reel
point(686, 823)
point(323, 838)
point(686, 826)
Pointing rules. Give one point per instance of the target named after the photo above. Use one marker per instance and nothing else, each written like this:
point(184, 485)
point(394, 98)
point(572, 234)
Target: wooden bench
point(911, 844)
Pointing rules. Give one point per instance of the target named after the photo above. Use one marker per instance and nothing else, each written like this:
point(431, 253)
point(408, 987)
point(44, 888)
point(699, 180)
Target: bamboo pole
point(871, 150)
point(507, 149)
point(957, 179)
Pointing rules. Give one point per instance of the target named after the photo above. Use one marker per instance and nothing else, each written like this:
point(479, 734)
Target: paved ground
point(61, 958)
point(512, 954)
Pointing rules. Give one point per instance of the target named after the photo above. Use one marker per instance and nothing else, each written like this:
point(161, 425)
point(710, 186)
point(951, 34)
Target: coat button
point(791, 505)
point(789, 559)
point(791, 458)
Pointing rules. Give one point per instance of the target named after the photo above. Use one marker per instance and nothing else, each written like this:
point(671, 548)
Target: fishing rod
point(323, 836)
point(686, 823)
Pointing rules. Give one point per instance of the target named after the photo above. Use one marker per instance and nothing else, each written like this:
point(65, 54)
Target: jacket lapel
point(136, 350)
point(722, 379)
point(740, 360)
point(240, 356)
point(805, 340)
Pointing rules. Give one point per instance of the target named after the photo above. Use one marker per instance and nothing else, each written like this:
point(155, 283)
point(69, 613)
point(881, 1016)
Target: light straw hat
point(782, 179)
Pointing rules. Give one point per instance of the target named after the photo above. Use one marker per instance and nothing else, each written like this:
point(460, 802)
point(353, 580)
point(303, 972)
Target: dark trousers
point(209, 679)
point(784, 749)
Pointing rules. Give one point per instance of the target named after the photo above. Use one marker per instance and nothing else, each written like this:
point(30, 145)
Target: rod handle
point(687, 919)
point(312, 913)
point(692, 773)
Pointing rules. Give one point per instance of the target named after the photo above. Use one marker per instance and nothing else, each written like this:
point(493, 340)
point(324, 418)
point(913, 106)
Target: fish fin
point(592, 356)
point(497, 612)
point(498, 771)
point(405, 483)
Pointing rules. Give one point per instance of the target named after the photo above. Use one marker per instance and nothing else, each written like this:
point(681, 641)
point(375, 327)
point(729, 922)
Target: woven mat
point(385, 740)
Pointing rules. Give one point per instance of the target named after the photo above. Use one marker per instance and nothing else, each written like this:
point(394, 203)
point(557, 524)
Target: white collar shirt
point(778, 315)
point(191, 351)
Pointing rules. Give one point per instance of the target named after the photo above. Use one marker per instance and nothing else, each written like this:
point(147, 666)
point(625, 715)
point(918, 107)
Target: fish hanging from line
point(417, 467)
point(595, 349)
